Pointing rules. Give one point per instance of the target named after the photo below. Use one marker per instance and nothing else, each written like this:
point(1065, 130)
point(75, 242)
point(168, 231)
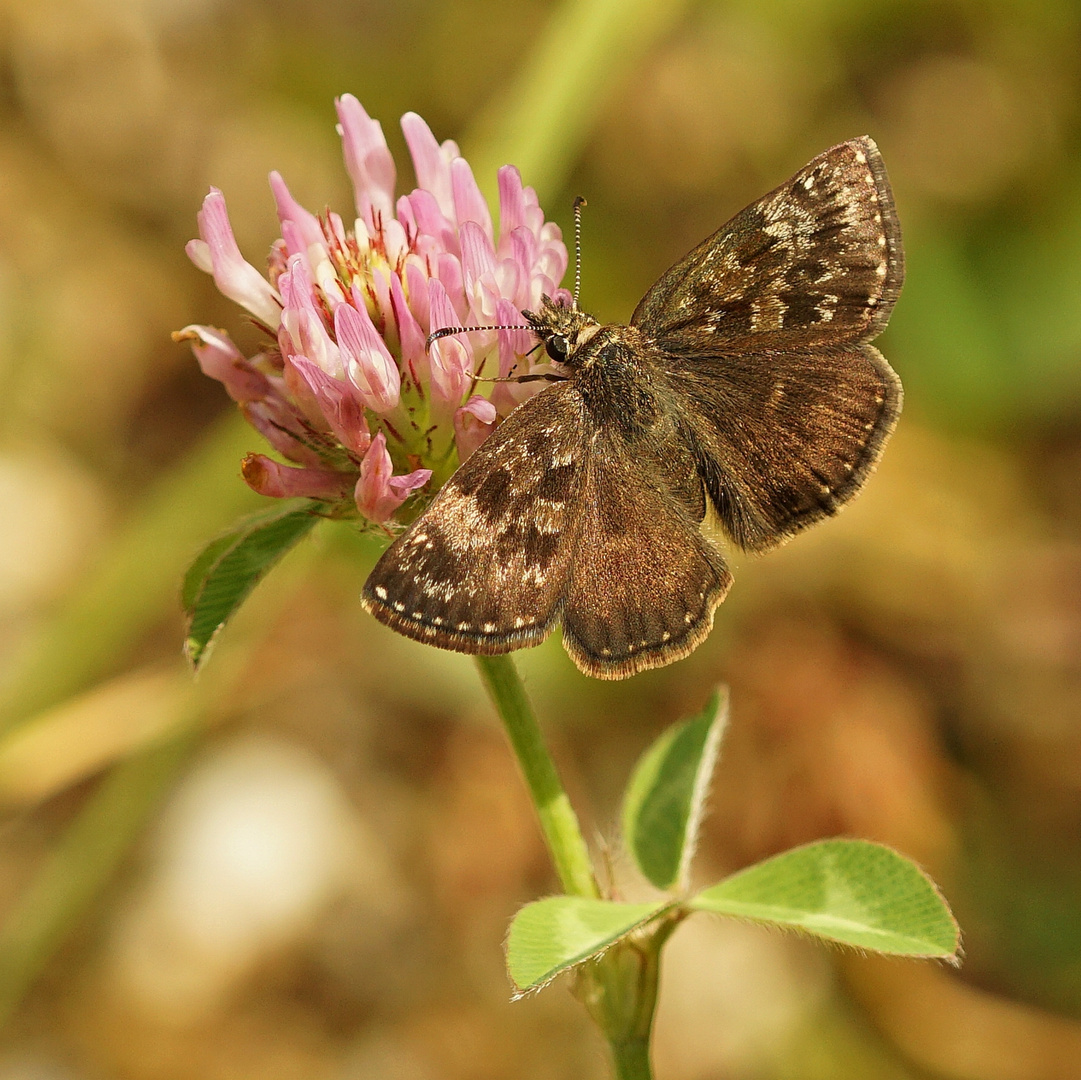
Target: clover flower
point(345, 389)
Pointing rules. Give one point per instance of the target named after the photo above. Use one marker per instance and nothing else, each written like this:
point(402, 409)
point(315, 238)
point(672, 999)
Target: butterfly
point(744, 385)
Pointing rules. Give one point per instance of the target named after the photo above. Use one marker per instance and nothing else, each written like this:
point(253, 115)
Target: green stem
point(632, 1060)
point(557, 818)
point(619, 990)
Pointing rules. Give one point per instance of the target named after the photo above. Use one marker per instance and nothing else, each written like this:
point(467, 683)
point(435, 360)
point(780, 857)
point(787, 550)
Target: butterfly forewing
point(484, 569)
point(818, 261)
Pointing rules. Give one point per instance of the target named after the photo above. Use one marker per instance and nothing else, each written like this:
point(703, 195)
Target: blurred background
point(303, 864)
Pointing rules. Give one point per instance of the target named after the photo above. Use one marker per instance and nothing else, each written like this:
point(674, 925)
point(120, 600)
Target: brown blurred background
point(303, 865)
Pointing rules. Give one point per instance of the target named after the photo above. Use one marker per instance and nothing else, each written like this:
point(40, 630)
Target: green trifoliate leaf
point(851, 891)
point(550, 936)
point(663, 805)
point(229, 567)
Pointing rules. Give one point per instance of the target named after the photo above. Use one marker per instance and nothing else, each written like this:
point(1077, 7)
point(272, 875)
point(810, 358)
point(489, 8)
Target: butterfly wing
point(785, 439)
point(554, 517)
point(818, 261)
point(764, 328)
point(485, 567)
point(644, 582)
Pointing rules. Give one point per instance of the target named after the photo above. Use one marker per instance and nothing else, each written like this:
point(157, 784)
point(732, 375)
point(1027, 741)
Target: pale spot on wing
point(767, 312)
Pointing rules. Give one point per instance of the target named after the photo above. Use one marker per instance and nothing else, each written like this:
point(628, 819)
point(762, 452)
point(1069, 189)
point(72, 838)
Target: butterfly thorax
point(610, 365)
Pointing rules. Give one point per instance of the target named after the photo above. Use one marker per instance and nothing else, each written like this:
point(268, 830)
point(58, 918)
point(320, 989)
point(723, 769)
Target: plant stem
point(632, 1060)
point(557, 818)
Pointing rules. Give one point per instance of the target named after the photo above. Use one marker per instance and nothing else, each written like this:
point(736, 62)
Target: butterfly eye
point(556, 348)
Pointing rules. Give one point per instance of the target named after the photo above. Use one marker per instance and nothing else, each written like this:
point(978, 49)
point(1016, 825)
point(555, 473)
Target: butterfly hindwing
point(818, 261)
point(484, 569)
point(644, 582)
point(785, 439)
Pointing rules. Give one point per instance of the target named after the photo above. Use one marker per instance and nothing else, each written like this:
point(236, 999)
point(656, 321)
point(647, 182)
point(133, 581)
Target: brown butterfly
point(744, 382)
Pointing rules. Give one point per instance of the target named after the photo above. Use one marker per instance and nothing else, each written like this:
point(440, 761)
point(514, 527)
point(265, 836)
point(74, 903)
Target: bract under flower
point(347, 390)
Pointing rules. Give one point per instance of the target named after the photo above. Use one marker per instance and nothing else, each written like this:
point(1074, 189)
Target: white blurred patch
point(255, 844)
point(732, 998)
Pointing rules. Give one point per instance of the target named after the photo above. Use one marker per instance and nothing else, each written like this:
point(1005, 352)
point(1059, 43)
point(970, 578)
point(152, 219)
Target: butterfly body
point(744, 384)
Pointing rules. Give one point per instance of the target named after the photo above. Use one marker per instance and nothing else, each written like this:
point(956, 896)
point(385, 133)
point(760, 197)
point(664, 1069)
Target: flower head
point(345, 388)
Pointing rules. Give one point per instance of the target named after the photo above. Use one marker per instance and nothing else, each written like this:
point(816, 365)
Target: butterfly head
point(562, 327)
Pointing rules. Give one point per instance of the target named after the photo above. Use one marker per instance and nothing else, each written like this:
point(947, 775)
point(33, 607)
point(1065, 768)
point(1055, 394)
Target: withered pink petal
point(378, 493)
point(339, 403)
point(277, 261)
point(283, 429)
point(219, 358)
point(469, 203)
point(473, 423)
point(369, 367)
point(407, 483)
point(235, 278)
point(270, 477)
point(367, 159)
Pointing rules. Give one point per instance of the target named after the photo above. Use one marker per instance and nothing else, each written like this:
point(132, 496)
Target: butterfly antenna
point(448, 331)
point(579, 202)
